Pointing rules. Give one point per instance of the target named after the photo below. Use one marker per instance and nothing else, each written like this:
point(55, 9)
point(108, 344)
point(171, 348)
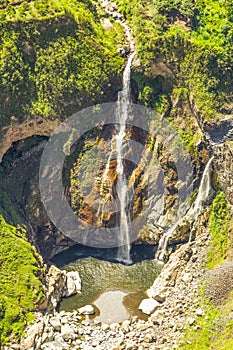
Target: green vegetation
point(20, 287)
point(212, 331)
point(194, 39)
point(219, 227)
point(55, 57)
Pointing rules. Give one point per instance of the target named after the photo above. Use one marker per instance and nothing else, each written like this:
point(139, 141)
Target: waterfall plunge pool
point(115, 290)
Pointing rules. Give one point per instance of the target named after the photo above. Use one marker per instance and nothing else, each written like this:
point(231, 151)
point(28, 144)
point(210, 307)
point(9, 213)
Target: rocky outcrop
point(59, 284)
point(16, 131)
point(21, 178)
point(224, 168)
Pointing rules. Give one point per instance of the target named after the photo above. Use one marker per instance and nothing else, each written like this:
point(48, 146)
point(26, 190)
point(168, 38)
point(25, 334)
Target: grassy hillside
point(194, 38)
point(214, 330)
point(55, 58)
point(20, 287)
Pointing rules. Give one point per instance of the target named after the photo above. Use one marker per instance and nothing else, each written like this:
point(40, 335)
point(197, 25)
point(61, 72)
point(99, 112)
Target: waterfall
point(117, 147)
point(204, 189)
point(192, 214)
point(123, 105)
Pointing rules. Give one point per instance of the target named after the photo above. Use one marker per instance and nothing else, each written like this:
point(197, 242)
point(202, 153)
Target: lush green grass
point(220, 220)
point(213, 330)
point(200, 339)
point(55, 58)
point(194, 39)
point(20, 287)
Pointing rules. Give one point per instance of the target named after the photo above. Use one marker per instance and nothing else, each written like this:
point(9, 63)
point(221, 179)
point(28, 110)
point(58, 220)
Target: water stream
point(192, 214)
point(117, 146)
point(122, 116)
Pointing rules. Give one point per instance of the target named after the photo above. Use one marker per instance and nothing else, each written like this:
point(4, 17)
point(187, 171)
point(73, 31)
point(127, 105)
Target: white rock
point(55, 323)
point(67, 332)
point(191, 320)
point(187, 278)
point(32, 332)
point(87, 310)
point(148, 306)
point(114, 326)
point(200, 312)
point(73, 283)
point(95, 343)
point(105, 326)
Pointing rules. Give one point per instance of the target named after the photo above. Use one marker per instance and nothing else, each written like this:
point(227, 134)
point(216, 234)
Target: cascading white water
point(123, 105)
point(204, 190)
point(117, 145)
point(192, 214)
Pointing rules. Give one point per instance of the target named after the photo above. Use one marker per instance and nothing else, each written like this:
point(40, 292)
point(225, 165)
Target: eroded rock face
point(16, 132)
point(59, 284)
point(95, 206)
point(224, 168)
point(20, 176)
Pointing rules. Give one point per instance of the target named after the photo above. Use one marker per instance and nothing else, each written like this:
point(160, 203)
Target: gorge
point(157, 178)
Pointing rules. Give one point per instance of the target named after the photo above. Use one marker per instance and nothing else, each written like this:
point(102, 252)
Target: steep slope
point(193, 40)
point(56, 57)
point(20, 287)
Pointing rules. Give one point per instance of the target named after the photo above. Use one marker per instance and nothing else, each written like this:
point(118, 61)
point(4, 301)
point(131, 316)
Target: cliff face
point(224, 168)
point(57, 60)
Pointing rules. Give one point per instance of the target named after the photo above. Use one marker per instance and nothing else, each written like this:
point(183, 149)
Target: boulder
point(59, 284)
point(67, 332)
point(55, 323)
point(73, 283)
point(32, 332)
point(87, 310)
point(148, 306)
